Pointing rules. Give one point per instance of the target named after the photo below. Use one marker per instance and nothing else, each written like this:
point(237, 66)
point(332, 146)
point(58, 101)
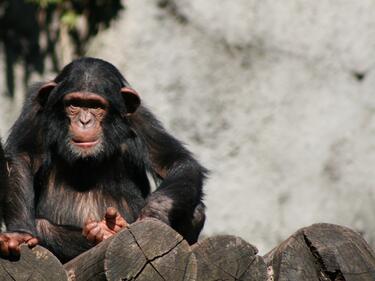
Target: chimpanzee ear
point(44, 92)
point(132, 100)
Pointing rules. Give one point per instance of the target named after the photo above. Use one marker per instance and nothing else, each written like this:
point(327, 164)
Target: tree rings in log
point(228, 258)
point(36, 264)
point(146, 250)
point(323, 252)
point(151, 251)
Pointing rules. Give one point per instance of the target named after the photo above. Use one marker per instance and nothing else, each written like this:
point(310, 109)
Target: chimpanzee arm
point(18, 203)
point(3, 180)
point(66, 242)
point(19, 209)
point(180, 191)
point(23, 141)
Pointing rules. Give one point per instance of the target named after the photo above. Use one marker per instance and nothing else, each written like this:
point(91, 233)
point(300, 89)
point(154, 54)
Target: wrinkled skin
point(97, 231)
point(10, 242)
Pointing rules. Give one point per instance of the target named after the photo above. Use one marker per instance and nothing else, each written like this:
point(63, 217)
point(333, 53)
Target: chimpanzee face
point(86, 112)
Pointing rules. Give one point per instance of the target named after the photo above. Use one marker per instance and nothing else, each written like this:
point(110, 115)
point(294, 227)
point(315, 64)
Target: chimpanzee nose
point(86, 120)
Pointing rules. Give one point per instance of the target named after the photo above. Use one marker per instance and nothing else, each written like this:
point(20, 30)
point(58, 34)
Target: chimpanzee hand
point(10, 242)
point(112, 223)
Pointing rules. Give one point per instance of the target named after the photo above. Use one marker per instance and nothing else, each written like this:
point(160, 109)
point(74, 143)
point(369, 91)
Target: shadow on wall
point(32, 31)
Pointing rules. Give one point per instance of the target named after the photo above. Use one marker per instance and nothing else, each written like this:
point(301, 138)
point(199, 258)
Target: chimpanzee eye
point(97, 105)
point(73, 108)
point(72, 103)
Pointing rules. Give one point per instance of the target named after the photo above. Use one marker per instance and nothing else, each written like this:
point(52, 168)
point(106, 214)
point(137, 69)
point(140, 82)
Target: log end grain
point(228, 257)
point(146, 250)
point(33, 264)
point(152, 251)
point(323, 252)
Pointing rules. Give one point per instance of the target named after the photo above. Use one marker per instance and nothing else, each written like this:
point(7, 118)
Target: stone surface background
point(275, 98)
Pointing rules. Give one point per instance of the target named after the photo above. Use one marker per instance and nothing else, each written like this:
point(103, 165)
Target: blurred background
point(276, 98)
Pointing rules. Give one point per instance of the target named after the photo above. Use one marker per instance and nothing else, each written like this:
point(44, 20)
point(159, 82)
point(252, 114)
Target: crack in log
point(337, 275)
point(270, 273)
point(247, 268)
point(185, 270)
point(10, 275)
point(31, 275)
point(220, 268)
point(149, 261)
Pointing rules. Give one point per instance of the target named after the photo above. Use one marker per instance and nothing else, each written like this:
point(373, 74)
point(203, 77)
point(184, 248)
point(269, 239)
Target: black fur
point(52, 190)
point(3, 181)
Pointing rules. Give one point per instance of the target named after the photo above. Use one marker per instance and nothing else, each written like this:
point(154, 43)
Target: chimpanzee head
point(85, 110)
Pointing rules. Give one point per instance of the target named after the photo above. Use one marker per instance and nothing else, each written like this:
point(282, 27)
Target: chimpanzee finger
point(110, 217)
point(4, 248)
point(32, 242)
point(111, 213)
point(107, 235)
point(88, 227)
point(114, 220)
point(99, 237)
point(91, 236)
point(14, 247)
point(121, 222)
point(89, 220)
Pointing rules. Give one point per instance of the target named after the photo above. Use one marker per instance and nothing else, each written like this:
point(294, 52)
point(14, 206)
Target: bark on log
point(147, 250)
point(322, 252)
point(37, 264)
point(228, 258)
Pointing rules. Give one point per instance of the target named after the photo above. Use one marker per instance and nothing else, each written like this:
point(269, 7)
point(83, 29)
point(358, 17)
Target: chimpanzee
point(3, 181)
point(80, 155)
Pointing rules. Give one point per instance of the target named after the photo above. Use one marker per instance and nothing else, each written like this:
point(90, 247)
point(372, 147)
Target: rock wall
point(275, 98)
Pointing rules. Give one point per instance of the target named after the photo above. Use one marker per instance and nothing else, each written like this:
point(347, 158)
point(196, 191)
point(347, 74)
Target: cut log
point(228, 258)
point(147, 250)
point(37, 264)
point(322, 252)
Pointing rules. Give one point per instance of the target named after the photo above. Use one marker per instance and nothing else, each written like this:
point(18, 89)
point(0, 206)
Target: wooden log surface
point(322, 252)
point(37, 264)
point(151, 250)
point(228, 258)
point(146, 250)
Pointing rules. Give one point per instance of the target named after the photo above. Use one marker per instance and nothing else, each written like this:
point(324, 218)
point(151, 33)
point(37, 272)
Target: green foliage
point(70, 18)
point(26, 23)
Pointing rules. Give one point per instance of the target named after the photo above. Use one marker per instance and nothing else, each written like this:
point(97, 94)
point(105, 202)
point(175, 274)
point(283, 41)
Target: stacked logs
point(152, 251)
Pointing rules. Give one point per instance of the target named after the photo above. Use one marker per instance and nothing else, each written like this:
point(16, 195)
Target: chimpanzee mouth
point(84, 150)
point(85, 144)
